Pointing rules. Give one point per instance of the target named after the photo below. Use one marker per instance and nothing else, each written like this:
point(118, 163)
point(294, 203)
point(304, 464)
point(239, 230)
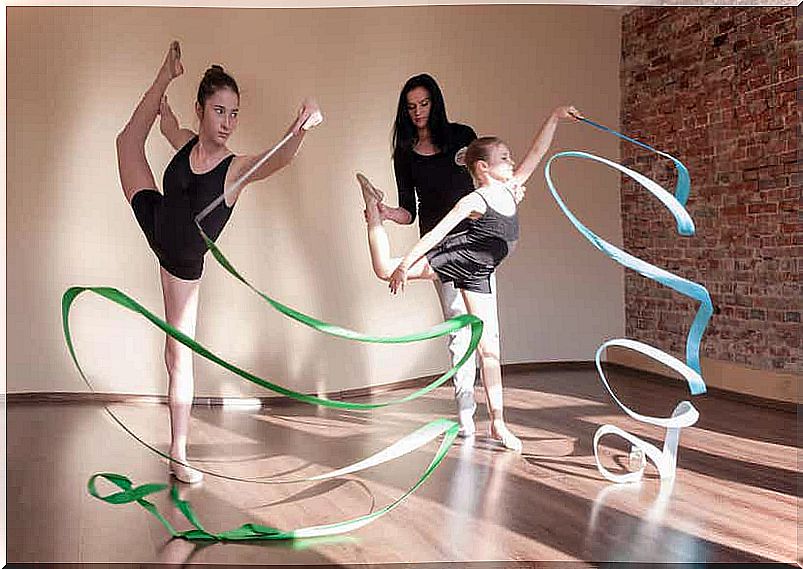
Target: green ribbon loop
point(122, 299)
point(131, 494)
point(256, 532)
point(436, 331)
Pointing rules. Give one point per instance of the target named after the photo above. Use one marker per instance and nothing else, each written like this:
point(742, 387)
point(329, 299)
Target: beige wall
point(74, 76)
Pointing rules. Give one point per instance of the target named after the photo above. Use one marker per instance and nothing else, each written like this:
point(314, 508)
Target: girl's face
point(500, 163)
point(418, 106)
point(219, 117)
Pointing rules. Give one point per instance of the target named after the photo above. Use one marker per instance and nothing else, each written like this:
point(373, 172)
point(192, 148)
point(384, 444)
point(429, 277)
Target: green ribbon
point(122, 299)
point(250, 531)
point(254, 531)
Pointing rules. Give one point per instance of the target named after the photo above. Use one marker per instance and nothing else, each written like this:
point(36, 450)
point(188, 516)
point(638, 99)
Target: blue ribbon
point(675, 203)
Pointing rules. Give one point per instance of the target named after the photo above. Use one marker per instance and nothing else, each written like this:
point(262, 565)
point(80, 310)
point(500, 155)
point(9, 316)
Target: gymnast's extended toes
point(369, 191)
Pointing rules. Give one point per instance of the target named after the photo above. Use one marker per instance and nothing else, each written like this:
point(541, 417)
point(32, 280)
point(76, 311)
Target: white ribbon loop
point(684, 415)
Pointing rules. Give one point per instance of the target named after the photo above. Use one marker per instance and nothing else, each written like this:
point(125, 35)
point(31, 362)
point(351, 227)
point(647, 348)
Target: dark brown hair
point(213, 80)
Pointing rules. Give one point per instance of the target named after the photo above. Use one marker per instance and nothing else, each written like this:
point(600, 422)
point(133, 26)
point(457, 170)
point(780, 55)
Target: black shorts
point(148, 209)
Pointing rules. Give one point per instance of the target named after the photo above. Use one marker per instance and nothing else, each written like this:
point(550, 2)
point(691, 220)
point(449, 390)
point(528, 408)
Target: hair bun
point(215, 78)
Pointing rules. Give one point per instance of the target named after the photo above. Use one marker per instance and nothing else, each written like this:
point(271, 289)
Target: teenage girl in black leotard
point(198, 173)
point(469, 258)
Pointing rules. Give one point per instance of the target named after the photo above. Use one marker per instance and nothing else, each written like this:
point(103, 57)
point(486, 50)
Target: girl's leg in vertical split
point(379, 244)
point(483, 306)
point(135, 173)
point(181, 312)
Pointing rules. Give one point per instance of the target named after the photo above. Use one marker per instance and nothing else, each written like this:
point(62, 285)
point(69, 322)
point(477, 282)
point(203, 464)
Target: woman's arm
point(395, 214)
point(169, 127)
point(309, 116)
point(469, 205)
point(541, 144)
point(405, 213)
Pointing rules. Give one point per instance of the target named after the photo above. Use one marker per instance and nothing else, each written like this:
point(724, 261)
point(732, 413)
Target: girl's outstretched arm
point(541, 144)
point(308, 117)
point(469, 205)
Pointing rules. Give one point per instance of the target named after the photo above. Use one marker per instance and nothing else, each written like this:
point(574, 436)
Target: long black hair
point(405, 134)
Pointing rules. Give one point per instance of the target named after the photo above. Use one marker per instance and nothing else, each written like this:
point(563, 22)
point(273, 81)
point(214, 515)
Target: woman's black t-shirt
point(436, 180)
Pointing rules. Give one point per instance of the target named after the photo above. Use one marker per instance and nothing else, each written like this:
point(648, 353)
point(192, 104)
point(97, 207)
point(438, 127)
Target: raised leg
point(135, 172)
point(379, 244)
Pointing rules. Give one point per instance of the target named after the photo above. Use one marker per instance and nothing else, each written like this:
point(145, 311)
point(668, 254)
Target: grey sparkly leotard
point(469, 258)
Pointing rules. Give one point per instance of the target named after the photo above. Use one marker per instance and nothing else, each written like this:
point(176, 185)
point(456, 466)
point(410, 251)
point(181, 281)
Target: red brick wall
point(716, 88)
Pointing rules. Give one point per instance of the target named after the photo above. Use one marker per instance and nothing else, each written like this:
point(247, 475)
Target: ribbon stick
point(241, 180)
point(684, 414)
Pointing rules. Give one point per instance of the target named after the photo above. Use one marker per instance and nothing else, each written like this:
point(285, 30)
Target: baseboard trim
point(642, 375)
point(99, 398)
point(726, 378)
point(618, 360)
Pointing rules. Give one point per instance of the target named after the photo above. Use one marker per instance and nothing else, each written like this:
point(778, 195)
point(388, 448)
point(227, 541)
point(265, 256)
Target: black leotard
point(469, 258)
point(168, 220)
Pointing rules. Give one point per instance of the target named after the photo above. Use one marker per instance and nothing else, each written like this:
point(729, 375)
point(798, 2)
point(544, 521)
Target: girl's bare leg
point(379, 244)
point(181, 311)
point(135, 173)
point(484, 307)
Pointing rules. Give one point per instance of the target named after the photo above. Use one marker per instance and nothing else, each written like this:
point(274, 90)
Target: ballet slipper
point(369, 191)
point(185, 474)
point(466, 421)
point(502, 435)
point(467, 431)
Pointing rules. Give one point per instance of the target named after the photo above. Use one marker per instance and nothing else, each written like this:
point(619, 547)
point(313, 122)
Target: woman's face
point(500, 163)
point(418, 106)
point(219, 118)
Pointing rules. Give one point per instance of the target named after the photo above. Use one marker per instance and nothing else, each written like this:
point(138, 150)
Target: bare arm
point(308, 116)
point(469, 205)
point(541, 144)
point(169, 127)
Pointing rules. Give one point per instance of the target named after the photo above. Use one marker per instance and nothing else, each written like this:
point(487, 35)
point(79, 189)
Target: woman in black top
point(469, 258)
point(430, 182)
point(198, 173)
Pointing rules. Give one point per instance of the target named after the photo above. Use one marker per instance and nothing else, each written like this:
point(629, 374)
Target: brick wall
point(716, 88)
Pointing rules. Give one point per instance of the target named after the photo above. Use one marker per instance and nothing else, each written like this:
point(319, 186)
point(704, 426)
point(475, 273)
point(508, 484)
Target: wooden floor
point(735, 497)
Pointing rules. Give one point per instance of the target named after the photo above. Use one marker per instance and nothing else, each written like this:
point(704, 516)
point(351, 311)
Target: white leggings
point(452, 305)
